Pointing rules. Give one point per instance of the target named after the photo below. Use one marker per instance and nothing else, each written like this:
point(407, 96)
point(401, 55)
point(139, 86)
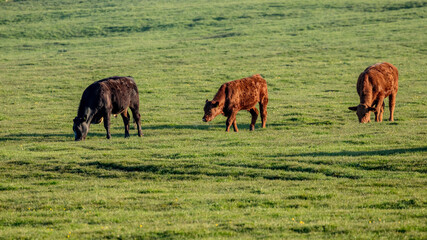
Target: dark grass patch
point(406, 5)
point(176, 171)
point(175, 156)
point(150, 191)
point(48, 183)
point(332, 90)
point(277, 5)
point(361, 153)
point(126, 168)
point(310, 197)
point(168, 234)
point(7, 188)
point(126, 29)
point(244, 16)
point(378, 7)
point(308, 169)
point(273, 15)
point(37, 137)
point(288, 177)
point(401, 204)
point(354, 142)
point(257, 203)
point(373, 167)
point(197, 19)
point(330, 229)
point(290, 170)
point(19, 162)
point(28, 221)
point(237, 227)
point(219, 18)
point(224, 35)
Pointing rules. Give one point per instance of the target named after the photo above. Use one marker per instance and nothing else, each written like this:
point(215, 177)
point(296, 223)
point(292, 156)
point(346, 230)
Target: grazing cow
point(242, 94)
point(374, 84)
point(108, 96)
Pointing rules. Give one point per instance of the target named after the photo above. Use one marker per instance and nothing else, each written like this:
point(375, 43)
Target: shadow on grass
point(117, 133)
point(120, 167)
point(359, 153)
point(190, 171)
point(55, 136)
point(26, 136)
point(206, 126)
point(327, 171)
point(172, 126)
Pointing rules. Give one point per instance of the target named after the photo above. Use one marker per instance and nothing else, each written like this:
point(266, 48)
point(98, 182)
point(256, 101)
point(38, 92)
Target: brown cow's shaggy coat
point(374, 84)
point(108, 96)
point(242, 94)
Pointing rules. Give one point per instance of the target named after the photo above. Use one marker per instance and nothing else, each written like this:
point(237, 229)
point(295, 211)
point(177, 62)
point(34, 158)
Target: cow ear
point(353, 108)
point(207, 100)
point(372, 109)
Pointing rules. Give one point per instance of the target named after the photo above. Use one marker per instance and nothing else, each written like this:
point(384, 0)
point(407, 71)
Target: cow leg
point(380, 103)
point(137, 118)
point(126, 120)
point(231, 120)
point(235, 126)
point(107, 117)
point(263, 110)
point(392, 103)
point(254, 112)
point(382, 112)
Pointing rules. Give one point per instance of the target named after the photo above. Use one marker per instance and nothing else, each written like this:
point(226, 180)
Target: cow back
point(244, 94)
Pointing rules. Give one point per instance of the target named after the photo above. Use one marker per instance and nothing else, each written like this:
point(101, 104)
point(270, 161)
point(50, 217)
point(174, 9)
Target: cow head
point(80, 128)
point(212, 109)
point(363, 112)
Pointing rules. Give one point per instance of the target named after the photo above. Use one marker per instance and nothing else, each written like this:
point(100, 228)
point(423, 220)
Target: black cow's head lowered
point(80, 128)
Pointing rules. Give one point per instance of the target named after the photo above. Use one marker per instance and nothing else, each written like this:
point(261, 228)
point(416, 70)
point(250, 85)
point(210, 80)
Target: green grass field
point(313, 173)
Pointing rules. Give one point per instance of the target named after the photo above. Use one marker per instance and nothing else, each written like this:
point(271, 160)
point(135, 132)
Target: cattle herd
point(115, 95)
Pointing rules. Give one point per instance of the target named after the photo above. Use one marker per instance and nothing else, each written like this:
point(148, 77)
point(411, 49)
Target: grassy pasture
point(313, 173)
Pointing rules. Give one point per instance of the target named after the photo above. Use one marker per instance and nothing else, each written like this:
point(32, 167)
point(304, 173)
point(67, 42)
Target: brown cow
point(374, 84)
point(242, 94)
point(108, 96)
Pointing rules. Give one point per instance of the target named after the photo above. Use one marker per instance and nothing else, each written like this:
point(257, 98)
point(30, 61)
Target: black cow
point(102, 98)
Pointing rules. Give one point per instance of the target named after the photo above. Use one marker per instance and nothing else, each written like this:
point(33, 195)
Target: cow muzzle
point(206, 119)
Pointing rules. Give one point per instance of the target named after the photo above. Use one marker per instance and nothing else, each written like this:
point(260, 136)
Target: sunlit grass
point(314, 172)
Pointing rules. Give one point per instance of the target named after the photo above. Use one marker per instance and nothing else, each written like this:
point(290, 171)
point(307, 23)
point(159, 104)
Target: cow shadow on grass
point(54, 136)
point(242, 126)
point(186, 126)
point(117, 132)
point(359, 153)
point(38, 136)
